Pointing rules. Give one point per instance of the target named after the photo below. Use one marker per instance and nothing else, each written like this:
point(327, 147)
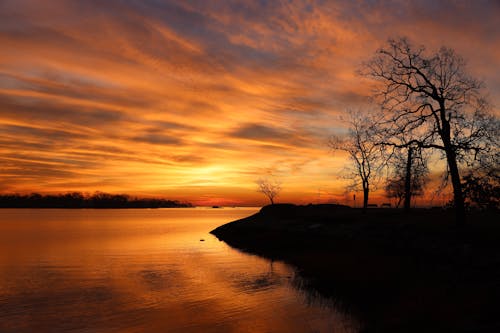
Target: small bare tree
point(395, 189)
point(270, 188)
point(363, 151)
point(431, 95)
point(408, 175)
point(481, 182)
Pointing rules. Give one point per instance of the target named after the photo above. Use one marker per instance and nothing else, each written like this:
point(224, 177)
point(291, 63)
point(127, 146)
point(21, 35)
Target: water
point(145, 271)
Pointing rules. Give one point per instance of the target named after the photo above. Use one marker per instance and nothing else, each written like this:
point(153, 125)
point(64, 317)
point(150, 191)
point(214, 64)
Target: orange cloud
point(197, 100)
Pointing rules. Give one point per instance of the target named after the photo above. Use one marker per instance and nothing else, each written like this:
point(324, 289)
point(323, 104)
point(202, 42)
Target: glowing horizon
point(196, 101)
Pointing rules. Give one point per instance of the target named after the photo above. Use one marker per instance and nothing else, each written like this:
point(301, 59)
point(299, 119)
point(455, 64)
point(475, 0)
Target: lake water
point(145, 271)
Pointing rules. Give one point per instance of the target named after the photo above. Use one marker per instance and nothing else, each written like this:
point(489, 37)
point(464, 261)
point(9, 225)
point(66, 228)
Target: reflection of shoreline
point(397, 272)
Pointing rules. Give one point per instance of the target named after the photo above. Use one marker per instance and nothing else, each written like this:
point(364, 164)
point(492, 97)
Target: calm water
point(145, 271)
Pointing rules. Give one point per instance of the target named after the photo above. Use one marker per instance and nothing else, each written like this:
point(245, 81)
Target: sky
point(197, 100)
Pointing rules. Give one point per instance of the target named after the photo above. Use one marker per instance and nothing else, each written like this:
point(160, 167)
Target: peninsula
point(396, 272)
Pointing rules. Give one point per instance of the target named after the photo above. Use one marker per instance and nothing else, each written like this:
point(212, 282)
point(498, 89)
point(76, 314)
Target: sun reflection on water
point(145, 270)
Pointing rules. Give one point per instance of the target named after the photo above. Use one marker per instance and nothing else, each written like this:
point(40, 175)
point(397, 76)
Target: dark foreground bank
point(396, 272)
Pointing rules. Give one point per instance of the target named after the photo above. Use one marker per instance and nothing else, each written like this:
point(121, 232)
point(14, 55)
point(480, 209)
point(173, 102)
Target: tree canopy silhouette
point(431, 95)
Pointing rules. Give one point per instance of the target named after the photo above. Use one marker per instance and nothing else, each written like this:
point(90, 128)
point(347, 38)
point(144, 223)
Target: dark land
point(396, 272)
point(80, 200)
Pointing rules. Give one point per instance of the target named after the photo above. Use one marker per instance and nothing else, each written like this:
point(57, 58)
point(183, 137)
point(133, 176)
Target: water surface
point(145, 271)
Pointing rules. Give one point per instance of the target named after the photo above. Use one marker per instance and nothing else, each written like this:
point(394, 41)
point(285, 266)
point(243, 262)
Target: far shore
point(396, 272)
point(78, 200)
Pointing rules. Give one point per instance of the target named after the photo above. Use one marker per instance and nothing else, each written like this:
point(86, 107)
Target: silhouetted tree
point(395, 189)
point(408, 175)
point(363, 151)
point(482, 191)
point(270, 188)
point(481, 182)
point(433, 96)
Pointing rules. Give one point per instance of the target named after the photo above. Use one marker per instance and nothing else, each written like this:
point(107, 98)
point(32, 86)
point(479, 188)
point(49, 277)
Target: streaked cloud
point(197, 99)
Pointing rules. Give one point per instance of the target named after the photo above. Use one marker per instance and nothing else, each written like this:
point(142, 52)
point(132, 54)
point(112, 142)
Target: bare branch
point(362, 150)
point(270, 188)
point(429, 101)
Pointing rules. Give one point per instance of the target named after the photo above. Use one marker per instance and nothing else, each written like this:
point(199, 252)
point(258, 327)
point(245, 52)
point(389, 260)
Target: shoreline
point(395, 272)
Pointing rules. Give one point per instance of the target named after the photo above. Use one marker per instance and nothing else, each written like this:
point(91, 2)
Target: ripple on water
point(145, 271)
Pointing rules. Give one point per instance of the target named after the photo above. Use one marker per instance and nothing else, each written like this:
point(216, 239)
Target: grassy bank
point(397, 272)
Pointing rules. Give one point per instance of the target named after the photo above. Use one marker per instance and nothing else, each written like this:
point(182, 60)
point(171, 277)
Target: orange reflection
point(144, 270)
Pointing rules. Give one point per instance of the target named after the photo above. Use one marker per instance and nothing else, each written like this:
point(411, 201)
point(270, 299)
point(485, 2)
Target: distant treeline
point(80, 200)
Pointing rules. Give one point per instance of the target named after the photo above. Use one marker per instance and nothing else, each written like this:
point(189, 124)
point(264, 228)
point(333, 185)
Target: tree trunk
point(366, 190)
point(458, 198)
point(408, 181)
point(451, 158)
point(272, 201)
point(399, 202)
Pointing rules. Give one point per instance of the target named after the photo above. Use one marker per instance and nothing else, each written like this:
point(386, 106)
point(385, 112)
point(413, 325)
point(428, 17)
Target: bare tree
point(481, 182)
point(408, 175)
point(395, 188)
point(270, 188)
point(362, 150)
point(482, 190)
point(405, 161)
point(433, 96)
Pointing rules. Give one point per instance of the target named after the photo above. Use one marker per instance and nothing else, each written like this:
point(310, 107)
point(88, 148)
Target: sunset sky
point(196, 100)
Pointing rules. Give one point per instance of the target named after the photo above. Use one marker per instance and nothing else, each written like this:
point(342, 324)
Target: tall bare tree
point(270, 188)
point(363, 151)
point(432, 95)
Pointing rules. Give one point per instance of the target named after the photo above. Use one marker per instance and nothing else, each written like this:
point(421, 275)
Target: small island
point(397, 272)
